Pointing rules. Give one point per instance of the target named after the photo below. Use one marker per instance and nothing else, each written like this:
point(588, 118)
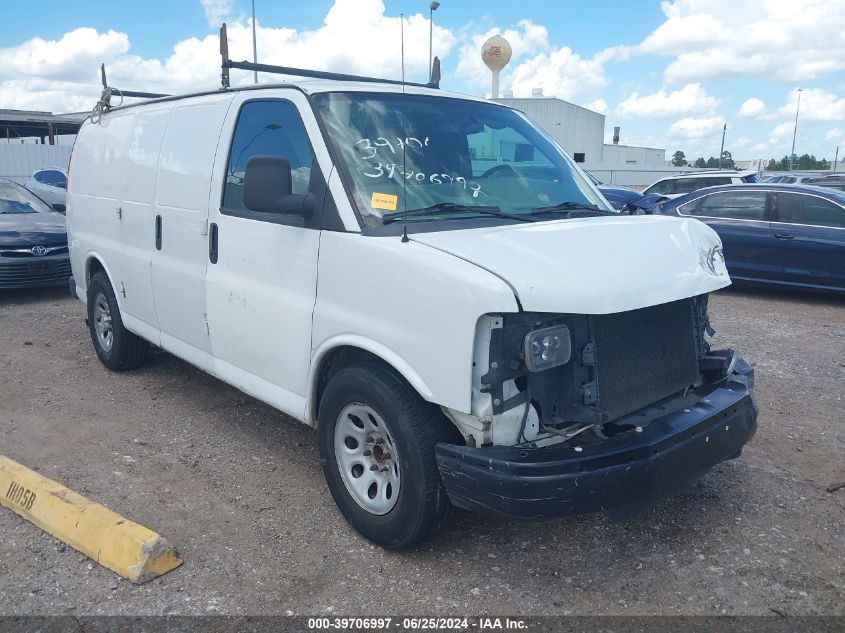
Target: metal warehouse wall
point(18, 160)
point(631, 155)
point(576, 129)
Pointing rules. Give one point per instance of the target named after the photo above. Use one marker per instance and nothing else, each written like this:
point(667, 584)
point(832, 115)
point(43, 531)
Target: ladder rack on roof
point(226, 64)
point(108, 91)
point(104, 104)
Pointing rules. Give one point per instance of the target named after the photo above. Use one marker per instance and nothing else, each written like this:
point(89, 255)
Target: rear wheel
point(117, 348)
point(377, 439)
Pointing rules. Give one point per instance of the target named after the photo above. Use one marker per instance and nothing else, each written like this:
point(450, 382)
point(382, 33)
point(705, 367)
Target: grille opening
point(644, 356)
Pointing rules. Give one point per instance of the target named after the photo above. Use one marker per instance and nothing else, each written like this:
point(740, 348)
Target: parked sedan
point(788, 235)
point(33, 240)
point(50, 185)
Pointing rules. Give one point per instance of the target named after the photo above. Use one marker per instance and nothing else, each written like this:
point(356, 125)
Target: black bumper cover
point(619, 476)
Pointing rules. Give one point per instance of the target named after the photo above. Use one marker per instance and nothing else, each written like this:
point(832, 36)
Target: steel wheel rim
point(367, 458)
point(103, 322)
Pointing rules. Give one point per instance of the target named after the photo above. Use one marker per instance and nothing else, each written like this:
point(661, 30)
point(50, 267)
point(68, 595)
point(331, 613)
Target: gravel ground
point(237, 487)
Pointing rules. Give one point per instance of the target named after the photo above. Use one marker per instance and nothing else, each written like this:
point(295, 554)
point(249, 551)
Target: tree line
point(803, 162)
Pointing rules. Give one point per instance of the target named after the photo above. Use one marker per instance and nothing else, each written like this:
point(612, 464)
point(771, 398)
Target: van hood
point(597, 265)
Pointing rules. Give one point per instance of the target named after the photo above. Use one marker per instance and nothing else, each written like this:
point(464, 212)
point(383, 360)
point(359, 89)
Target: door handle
point(158, 232)
point(785, 236)
point(212, 243)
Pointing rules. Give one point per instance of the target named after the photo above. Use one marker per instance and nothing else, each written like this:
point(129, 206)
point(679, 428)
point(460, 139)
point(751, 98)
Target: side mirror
point(59, 207)
point(267, 187)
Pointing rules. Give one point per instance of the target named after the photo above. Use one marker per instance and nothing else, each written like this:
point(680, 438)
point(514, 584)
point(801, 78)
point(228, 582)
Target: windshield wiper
point(452, 207)
point(573, 209)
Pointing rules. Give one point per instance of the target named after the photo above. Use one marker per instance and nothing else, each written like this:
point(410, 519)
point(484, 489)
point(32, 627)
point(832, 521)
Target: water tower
point(496, 53)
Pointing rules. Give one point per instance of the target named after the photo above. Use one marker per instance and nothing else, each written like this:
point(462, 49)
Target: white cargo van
point(424, 277)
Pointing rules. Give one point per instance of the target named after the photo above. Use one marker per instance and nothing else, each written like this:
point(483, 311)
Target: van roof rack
point(104, 104)
point(108, 91)
point(227, 64)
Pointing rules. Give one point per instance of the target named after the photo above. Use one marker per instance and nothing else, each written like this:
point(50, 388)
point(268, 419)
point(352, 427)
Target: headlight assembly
point(547, 347)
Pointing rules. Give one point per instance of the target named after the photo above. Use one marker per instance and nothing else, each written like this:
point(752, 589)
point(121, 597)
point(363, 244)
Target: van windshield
point(413, 152)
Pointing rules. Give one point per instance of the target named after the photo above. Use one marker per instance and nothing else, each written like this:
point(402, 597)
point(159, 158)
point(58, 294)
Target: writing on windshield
point(421, 151)
point(371, 168)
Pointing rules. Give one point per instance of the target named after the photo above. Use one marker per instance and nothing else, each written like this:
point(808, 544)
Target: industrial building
point(580, 132)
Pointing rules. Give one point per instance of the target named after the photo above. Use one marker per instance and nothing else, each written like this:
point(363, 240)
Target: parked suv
point(680, 184)
point(368, 258)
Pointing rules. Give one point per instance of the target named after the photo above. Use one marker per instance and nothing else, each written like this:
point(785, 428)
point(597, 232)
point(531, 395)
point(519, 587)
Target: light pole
point(795, 130)
point(722, 151)
point(254, 45)
point(431, 9)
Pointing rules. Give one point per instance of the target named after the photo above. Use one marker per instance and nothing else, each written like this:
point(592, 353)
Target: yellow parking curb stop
point(123, 546)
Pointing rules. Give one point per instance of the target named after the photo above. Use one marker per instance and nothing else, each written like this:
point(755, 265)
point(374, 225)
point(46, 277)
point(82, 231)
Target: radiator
point(643, 356)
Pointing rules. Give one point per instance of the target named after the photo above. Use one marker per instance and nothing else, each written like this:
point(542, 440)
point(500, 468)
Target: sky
point(670, 73)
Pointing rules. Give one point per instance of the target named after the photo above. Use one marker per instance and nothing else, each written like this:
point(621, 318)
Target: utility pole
point(254, 45)
point(431, 9)
point(836, 159)
point(722, 151)
point(795, 130)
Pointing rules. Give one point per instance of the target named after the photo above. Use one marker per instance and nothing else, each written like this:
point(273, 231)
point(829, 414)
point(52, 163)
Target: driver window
point(270, 128)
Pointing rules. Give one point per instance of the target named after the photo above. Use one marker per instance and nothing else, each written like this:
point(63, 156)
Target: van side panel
point(182, 196)
point(95, 193)
point(137, 230)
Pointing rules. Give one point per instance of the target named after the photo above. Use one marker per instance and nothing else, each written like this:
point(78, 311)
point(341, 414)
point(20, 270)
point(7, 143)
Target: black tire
point(127, 351)
point(422, 507)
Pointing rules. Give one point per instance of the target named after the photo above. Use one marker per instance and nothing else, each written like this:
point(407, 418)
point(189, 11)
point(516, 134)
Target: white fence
point(18, 160)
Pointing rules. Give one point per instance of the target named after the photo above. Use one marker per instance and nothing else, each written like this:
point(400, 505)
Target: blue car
point(619, 197)
point(780, 234)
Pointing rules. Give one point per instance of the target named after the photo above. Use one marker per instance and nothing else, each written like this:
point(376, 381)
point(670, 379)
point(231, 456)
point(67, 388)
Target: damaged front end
point(576, 413)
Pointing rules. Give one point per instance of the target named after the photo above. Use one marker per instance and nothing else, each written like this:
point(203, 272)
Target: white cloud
point(691, 99)
point(597, 105)
point(71, 63)
point(752, 108)
point(76, 55)
point(683, 32)
point(788, 40)
point(741, 143)
point(817, 104)
point(833, 134)
point(216, 10)
point(560, 73)
point(696, 128)
point(781, 131)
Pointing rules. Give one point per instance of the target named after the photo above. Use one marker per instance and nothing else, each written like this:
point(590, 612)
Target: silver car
point(49, 184)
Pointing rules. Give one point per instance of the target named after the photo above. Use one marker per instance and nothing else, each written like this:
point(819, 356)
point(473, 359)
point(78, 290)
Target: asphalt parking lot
point(237, 487)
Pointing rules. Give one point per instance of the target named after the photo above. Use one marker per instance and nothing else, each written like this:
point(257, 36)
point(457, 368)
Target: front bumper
point(34, 272)
point(620, 475)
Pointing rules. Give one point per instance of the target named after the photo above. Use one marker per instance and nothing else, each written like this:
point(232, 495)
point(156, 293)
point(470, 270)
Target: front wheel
point(117, 348)
point(377, 439)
